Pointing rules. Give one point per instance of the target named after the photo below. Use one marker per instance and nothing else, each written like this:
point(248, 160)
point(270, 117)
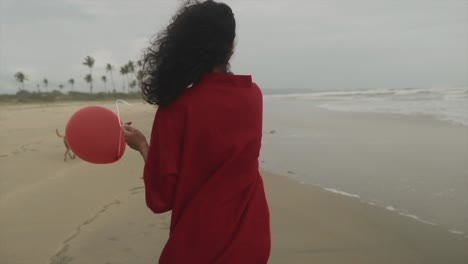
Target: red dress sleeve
point(163, 161)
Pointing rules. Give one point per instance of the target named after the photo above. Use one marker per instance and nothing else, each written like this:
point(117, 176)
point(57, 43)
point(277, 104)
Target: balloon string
point(120, 122)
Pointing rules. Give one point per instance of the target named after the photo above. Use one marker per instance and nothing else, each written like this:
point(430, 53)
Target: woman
point(202, 160)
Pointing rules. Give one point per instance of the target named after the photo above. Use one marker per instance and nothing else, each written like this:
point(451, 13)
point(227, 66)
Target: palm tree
point(89, 61)
point(110, 69)
point(89, 79)
point(124, 72)
point(21, 78)
point(131, 68)
point(138, 69)
point(61, 86)
point(72, 82)
point(140, 77)
point(133, 84)
point(46, 83)
point(104, 80)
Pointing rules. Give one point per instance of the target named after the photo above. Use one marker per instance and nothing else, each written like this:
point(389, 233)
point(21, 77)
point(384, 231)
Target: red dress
point(203, 165)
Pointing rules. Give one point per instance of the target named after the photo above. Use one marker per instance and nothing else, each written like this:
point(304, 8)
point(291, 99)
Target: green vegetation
point(24, 96)
point(72, 83)
point(131, 78)
point(110, 69)
point(104, 80)
point(46, 84)
point(21, 78)
point(124, 72)
point(89, 61)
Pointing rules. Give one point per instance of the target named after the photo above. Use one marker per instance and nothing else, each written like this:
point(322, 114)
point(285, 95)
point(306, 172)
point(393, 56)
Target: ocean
point(417, 170)
point(444, 103)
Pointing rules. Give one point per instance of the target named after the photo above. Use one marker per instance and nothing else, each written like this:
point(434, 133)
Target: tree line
point(131, 73)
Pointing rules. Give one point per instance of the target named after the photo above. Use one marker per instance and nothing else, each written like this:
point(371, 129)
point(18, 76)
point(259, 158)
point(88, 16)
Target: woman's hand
point(135, 139)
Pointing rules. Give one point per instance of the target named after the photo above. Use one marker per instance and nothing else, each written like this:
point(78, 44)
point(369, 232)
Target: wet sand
point(414, 165)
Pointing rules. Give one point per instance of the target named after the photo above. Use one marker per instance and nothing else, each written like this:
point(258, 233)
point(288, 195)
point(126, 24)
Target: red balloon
point(93, 133)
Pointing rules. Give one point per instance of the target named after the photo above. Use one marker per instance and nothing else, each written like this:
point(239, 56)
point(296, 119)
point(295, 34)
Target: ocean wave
point(378, 204)
point(443, 103)
point(457, 232)
point(417, 218)
point(457, 91)
point(342, 193)
point(393, 209)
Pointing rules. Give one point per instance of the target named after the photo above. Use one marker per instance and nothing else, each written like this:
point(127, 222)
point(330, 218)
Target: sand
point(74, 212)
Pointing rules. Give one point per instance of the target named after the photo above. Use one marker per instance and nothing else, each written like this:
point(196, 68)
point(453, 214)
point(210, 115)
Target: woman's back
point(202, 161)
point(203, 165)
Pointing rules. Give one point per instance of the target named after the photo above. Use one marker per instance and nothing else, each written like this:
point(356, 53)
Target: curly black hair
point(199, 38)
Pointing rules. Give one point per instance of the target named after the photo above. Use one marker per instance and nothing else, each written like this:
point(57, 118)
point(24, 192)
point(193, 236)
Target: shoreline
point(414, 150)
point(354, 196)
point(302, 180)
point(353, 208)
point(389, 208)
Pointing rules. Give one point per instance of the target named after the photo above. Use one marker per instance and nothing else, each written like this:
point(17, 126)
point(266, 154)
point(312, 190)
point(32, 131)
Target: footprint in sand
point(127, 250)
point(89, 221)
point(291, 173)
point(3, 156)
point(62, 259)
point(135, 193)
point(163, 226)
point(136, 188)
point(113, 238)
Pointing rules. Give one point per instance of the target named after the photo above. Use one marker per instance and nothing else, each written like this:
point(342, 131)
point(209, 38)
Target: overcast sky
point(289, 44)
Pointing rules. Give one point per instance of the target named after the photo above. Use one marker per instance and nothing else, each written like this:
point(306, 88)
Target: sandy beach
point(54, 212)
